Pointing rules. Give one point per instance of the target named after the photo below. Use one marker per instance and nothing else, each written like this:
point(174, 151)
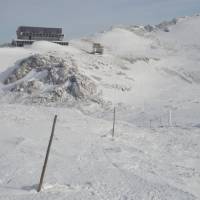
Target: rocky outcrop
point(51, 77)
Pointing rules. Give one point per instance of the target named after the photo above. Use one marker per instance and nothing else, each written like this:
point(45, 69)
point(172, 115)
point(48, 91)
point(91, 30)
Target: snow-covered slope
point(151, 74)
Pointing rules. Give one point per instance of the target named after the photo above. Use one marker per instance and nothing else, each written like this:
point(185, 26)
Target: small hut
point(97, 48)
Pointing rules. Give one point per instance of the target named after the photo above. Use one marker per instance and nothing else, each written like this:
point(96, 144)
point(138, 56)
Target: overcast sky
point(83, 17)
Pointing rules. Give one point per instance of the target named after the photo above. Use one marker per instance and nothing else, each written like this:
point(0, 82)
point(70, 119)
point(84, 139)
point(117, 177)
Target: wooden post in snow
point(113, 130)
point(47, 155)
point(161, 122)
point(150, 123)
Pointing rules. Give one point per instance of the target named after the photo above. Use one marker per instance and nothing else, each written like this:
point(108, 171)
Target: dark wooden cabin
point(97, 48)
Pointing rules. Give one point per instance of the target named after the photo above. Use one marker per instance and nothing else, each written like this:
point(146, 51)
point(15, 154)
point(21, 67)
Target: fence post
point(150, 123)
point(113, 130)
point(47, 155)
point(170, 119)
point(161, 123)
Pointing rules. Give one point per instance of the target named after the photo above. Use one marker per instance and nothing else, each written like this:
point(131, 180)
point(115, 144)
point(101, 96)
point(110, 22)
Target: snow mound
point(122, 42)
point(50, 78)
point(46, 47)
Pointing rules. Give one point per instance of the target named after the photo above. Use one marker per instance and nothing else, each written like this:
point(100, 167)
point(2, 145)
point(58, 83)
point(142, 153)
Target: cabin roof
point(39, 29)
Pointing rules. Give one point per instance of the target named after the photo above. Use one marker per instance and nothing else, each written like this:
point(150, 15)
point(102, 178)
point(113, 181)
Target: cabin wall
point(40, 33)
point(48, 37)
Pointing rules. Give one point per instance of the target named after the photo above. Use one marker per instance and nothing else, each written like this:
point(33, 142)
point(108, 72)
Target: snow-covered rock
point(46, 74)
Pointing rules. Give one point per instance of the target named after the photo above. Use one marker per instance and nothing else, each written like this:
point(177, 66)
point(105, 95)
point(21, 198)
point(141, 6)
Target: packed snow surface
point(150, 74)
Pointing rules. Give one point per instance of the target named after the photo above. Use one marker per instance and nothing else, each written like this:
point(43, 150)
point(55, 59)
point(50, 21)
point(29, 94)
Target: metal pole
point(47, 155)
point(170, 118)
point(113, 130)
